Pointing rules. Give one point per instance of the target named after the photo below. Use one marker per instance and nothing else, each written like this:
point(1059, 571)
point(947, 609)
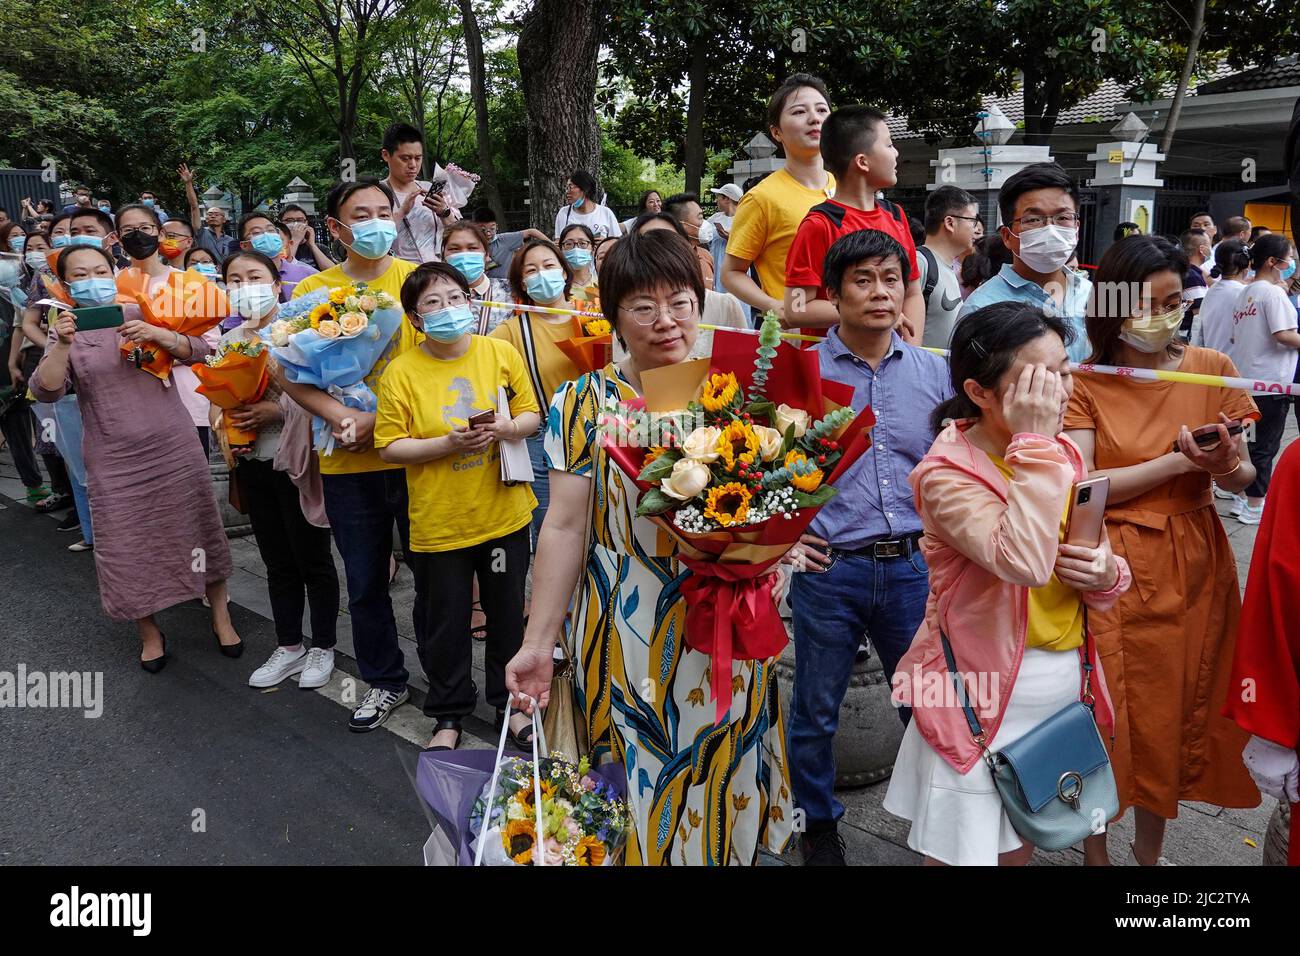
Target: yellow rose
point(769, 442)
point(350, 323)
point(702, 444)
point(688, 479)
point(787, 416)
point(368, 303)
point(328, 329)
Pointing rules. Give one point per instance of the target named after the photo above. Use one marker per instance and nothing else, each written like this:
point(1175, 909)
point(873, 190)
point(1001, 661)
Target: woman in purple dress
point(159, 540)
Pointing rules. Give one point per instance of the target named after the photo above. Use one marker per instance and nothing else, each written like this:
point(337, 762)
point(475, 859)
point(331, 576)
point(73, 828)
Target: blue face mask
point(17, 242)
point(205, 269)
point(147, 202)
point(58, 242)
point(1288, 272)
point(268, 244)
point(94, 241)
point(447, 325)
point(578, 258)
point(468, 264)
point(373, 238)
point(577, 203)
point(546, 286)
point(97, 291)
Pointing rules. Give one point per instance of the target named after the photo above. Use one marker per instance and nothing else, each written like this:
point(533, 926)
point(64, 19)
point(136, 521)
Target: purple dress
point(159, 540)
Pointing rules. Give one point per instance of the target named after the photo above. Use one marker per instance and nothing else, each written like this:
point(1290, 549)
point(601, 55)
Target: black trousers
point(1268, 436)
point(444, 588)
point(296, 553)
point(16, 425)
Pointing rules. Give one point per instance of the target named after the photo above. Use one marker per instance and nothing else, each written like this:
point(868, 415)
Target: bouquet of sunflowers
point(592, 344)
point(734, 460)
point(234, 376)
point(584, 820)
point(331, 339)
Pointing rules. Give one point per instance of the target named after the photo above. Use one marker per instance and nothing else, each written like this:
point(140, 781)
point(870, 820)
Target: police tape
point(543, 309)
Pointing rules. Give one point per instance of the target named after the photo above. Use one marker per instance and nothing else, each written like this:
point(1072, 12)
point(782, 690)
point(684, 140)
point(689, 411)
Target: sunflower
point(322, 312)
point(598, 327)
point(728, 504)
point(340, 295)
point(518, 839)
point(719, 392)
point(738, 445)
point(809, 482)
point(652, 454)
point(589, 852)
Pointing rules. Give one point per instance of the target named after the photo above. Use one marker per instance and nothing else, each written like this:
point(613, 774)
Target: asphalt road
point(189, 766)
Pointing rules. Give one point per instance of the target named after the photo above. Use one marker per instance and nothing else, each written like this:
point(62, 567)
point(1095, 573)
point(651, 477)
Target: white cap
point(731, 191)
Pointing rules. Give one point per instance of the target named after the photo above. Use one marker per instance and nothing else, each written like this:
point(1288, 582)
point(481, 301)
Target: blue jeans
point(883, 599)
point(67, 439)
point(541, 481)
point(362, 508)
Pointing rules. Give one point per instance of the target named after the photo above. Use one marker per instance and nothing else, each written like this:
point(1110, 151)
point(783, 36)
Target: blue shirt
point(1009, 286)
point(874, 500)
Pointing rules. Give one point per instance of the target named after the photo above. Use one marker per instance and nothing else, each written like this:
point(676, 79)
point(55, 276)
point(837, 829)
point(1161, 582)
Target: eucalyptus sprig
point(769, 337)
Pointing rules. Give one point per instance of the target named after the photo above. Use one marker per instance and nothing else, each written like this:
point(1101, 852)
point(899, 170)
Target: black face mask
point(138, 245)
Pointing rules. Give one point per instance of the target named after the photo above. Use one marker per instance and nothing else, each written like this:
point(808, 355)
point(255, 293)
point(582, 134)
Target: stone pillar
point(762, 158)
point(299, 194)
point(981, 171)
point(1125, 180)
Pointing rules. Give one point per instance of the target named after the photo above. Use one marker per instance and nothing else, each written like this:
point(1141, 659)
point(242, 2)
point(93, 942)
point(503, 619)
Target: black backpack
point(835, 214)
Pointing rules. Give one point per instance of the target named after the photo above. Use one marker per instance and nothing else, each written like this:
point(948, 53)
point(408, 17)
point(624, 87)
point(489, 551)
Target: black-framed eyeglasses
point(1066, 220)
point(570, 244)
point(148, 229)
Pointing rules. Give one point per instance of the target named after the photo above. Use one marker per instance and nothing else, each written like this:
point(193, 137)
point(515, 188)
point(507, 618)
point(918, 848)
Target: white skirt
point(958, 818)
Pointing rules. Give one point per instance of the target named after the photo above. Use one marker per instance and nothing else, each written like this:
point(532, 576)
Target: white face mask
point(707, 232)
point(1047, 248)
point(254, 302)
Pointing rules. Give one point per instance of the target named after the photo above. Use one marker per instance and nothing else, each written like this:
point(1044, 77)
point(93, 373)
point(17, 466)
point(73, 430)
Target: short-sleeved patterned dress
point(701, 794)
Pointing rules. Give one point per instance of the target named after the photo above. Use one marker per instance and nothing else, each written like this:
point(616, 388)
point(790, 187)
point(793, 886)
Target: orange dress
point(1167, 645)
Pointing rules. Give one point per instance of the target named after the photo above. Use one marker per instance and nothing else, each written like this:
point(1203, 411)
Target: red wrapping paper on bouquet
point(730, 612)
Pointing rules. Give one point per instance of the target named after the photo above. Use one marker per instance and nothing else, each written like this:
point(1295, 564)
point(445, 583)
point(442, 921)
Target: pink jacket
point(987, 541)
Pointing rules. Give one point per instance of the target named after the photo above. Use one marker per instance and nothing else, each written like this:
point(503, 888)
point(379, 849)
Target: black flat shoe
point(230, 650)
point(447, 725)
point(156, 664)
point(521, 740)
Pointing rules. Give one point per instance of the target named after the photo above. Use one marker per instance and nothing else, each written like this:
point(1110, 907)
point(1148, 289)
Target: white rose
point(702, 444)
point(280, 334)
point(787, 416)
point(688, 479)
point(770, 441)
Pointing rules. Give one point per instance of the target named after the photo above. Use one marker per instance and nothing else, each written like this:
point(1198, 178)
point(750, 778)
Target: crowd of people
point(944, 547)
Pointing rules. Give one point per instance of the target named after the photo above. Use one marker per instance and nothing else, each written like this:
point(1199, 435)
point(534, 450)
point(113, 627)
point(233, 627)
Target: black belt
point(892, 548)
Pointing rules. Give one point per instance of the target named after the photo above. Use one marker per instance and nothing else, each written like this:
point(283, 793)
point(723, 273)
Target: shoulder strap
point(832, 211)
point(931, 272)
point(894, 210)
point(530, 359)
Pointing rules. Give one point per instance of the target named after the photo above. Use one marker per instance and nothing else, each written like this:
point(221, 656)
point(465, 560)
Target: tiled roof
point(1100, 107)
point(1283, 72)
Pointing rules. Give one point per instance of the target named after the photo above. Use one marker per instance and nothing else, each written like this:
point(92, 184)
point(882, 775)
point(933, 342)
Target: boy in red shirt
point(858, 151)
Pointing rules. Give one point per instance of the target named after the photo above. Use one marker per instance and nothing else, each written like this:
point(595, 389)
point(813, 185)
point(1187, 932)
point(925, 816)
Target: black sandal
point(521, 740)
point(478, 633)
point(447, 725)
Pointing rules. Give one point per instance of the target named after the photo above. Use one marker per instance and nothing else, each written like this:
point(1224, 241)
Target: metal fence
point(19, 184)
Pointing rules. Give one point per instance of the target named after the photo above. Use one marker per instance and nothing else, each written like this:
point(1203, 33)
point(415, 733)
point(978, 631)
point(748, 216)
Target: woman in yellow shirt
point(465, 522)
point(541, 275)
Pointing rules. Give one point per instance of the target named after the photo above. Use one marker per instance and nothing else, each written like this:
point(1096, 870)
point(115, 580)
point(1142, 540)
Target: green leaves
point(817, 498)
point(655, 502)
point(661, 467)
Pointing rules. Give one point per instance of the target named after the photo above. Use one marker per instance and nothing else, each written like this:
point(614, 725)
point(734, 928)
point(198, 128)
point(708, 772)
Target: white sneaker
point(279, 666)
point(1133, 860)
point(1250, 515)
point(375, 708)
point(1238, 502)
point(316, 672)
point(1225, 495)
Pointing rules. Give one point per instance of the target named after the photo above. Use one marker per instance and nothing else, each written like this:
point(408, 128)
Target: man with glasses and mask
point(302, 238)
point(1040, 227)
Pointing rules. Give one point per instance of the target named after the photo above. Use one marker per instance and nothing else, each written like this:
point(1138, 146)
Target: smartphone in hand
point(1207, 436)
point(479, 419)
point(1085, 522)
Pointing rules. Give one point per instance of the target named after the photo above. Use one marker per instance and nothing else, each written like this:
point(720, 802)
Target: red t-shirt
point(803, 264)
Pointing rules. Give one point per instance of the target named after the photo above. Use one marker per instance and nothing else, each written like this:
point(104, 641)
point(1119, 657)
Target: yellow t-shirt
point(406, 337)
point(457, 501)
point(767, 219)
point(553, 365)
point(1055, 610)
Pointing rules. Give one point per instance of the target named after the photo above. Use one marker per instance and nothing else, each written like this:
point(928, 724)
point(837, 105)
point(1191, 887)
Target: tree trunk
point(698, 78)
point(557, 51)
point(1176, 107)
point(487, 170)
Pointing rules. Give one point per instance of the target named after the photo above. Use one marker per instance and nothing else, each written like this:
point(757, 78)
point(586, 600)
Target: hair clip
point(978, 349)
